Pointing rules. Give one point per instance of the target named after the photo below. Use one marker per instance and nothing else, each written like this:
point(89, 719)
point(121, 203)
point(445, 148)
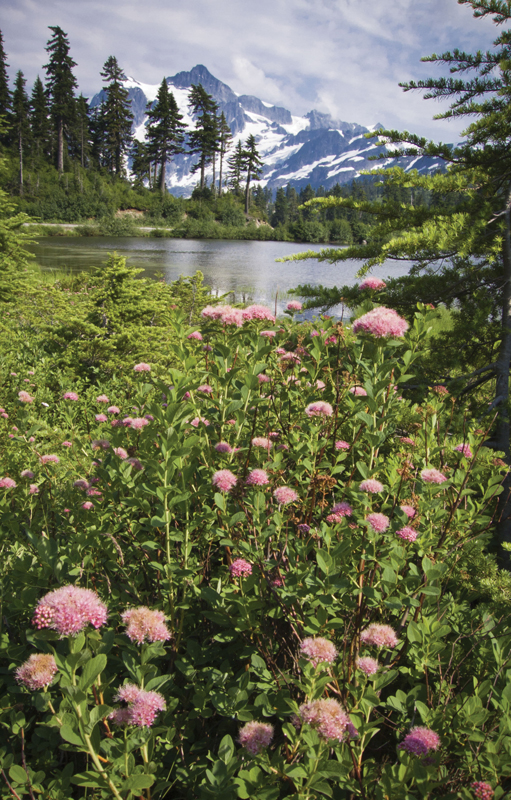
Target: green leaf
point(18, 774)
point(70, 736)
point(137, 782)
point(324, 561)
point(226, 749)
point(220, 501)
point(92, 669)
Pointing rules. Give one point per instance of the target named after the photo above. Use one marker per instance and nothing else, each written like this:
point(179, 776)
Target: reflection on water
point(246, 268)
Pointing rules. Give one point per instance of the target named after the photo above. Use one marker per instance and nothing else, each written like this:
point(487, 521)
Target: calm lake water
point(246, 268)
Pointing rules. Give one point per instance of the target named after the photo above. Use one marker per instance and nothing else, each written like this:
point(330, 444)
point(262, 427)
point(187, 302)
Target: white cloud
point(252, 80)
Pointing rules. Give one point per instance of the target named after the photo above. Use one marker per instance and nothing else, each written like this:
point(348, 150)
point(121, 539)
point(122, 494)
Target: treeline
point(56, 127)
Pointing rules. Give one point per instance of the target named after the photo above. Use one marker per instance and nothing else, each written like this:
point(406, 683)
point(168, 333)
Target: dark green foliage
point(60, 86)
point(5, 92)
point(203, 139)
point(21, 122)
point(40, 121)
point(165, 131)
point(116, 118)
point(252, 166)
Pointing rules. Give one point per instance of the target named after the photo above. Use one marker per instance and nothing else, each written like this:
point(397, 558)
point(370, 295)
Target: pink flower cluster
point(382, 323)
point(318, 651)
point(142, 707)
point(257, 477)
point(294, 305)
point(482, 790)
point(226, 314)
point(464, 449)
point(409, 511)
point(407, 533)
point(262, 441)
point(379, 635)
point(327, 717)
point(224, 480)
point(70, 396)
point(268, 334)
point(223, 447)
point(254, 736)
point(258, 312)
point(378, 522)
point(7, 483)
point(420, 741)
point(358, 391)
point(102, 398)
point(368, 665)
point(25, 397)
point(50, 459)
point(284, 495)
point(319, 409)
point(37, 672)
point(433, 476)
point(142, 367)
point(205, 388)
point(341, 445)
point(143, 624)
point(195, 335)
point(371, 485)
point(240, 567)
point(69, 609)
point(372, 283)
point(338, 512)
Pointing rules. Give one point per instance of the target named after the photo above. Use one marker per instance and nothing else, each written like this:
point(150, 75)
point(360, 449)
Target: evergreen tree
point(140, 163)
point(117, 117)
point(204, 138)
point(280, 211)
point(165, 130)
point(60, 86)
point(224, 143)
point(20, 122)
point(40, 120)
point(81, 133)
point(236, 164)
point(5, 92)
point(253, 166)
point(97, 135)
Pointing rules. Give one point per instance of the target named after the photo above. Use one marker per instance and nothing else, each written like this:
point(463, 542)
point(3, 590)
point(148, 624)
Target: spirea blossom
point(319, 409)
point(101, 417)
point(407, 440)
point(327, 717)
point(49, 459)
point(196, 420)
point(318, 651)
point(82, 484)
point(87, 506)
point(378, 522)
point(25, 397)
point(358, 391)
point(34, 488)
point(409, 511)
point(420, 741)
point(223, 447)
point(70, 396)
point(67, 444)
point(142, 367)
point(257, 477)
point(7, 483)
point(240, 567)
point(100, 444)
point(433, 476)
point(263, 378)
point(379, 635)
point(138, 423)
point(69, 609)
point(338, 512)
point(294, 305)
point(195, 335)
point(262, 441)
point(113, 410)
point(268, 334)
point(407, 533)
point(27, 473)
point(205, 388)
point(381, 322)
point(224, 480)
point(464, 449)
point(102, 398)
point(368, 665)
point(37, 672)
point(284, 495)
point(143, 625)
point(372, 283)
point(371, 485)
point(254, 736)
point(258, 312)
point(142, 706)
point(341, 445)
point(482, 790)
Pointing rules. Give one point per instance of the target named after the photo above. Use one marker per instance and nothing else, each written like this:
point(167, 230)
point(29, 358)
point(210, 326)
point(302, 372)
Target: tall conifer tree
point(60, 86)
point(224, 143)
point(117, 117)
point(40, 119)
point(165, 131)
point(204, 138)
point(21, 122)
point(253, 166)
point(236, 164)
point(5, 92)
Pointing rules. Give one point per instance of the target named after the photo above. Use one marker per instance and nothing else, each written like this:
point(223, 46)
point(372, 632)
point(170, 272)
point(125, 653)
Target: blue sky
point(343, 57)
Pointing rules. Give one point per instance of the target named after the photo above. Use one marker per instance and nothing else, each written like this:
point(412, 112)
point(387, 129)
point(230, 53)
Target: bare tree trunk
point(220, 174)
point(202, 166)
point(247, 192)
point(163, 187)
point(213, 185)
point(60, 147)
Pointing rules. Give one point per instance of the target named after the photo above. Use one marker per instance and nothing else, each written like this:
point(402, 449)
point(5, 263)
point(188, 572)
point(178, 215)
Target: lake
point(246, 268)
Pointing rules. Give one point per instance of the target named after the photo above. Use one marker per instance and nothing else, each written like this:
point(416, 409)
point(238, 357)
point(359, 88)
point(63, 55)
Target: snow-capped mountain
point(313, 149)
